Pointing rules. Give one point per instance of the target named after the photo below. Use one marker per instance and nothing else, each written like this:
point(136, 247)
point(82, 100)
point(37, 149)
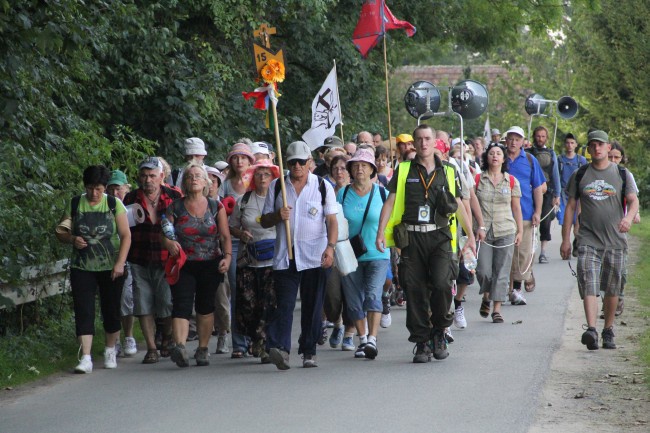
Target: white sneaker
point(459, 318)
point(386, 320)
point(110, 357)
point(85, 365)
point(130, 347)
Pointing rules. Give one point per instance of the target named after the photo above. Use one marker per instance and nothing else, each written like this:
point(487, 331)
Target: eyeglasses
point(262, 174)
point(193, 176)
point(302, 162)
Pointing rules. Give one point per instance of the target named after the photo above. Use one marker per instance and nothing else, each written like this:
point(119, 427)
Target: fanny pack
point(262, 250)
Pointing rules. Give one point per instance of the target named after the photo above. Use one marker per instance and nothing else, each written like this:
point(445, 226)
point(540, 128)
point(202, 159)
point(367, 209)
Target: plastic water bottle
point(167, 228)
point(469, 259)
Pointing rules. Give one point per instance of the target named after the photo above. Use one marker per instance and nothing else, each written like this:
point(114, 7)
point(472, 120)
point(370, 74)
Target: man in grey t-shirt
point(602, 243)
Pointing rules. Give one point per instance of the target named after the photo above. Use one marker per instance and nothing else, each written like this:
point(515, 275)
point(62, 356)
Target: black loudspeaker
point(422, 99)
point(535, 104)
point(469, 98)
point(567, 107)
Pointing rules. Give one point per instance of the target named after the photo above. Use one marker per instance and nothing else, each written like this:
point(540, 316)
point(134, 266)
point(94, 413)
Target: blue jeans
point(363, 288)
point(312, 292)
point(239, 341)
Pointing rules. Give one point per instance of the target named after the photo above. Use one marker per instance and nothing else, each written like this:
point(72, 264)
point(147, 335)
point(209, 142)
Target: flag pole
point(339, 99)
point(390, 132)
point(287, 224)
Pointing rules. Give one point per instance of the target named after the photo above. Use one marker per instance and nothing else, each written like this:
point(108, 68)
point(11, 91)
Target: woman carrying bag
point(255, 293)
point(362, 201)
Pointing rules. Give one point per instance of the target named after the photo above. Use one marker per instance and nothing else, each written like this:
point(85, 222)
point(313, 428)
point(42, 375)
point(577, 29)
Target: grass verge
point(47, 347)
point(638, 282)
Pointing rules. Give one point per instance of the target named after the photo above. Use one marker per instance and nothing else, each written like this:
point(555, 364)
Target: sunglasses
point(302, 162)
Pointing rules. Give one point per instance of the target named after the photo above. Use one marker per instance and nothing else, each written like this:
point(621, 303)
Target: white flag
point(325, 113)
point(487, 134)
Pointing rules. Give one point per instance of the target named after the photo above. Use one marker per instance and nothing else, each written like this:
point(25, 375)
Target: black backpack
point(74, 204)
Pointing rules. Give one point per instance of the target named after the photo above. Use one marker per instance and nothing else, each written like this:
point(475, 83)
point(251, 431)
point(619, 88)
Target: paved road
point(490, 383)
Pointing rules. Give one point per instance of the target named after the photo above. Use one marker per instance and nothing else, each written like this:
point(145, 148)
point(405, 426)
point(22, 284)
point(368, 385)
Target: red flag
point(393, 23)
point(374, 20)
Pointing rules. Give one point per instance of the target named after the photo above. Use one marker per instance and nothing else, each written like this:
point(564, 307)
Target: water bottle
point(469, 260)
point(167, 228)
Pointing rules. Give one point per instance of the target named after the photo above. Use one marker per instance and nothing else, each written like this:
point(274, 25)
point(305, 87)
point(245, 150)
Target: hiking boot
point(222, 345)
point(422, 353)
point(516, 298)
point(280, 358)
point(201, 355)
point(439, 344)
point(85, 366)
point(590, 338)
point(336, 337)
point(130, 346)
point(608, 338)
point(309, 361)
point(459, 318)
point(179, 355)
point(348, 344)
point(370, 350)
point(110, 357)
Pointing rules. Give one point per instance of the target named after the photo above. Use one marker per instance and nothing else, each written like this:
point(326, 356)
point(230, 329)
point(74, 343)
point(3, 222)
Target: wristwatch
point(483, 228)
point(331, 245)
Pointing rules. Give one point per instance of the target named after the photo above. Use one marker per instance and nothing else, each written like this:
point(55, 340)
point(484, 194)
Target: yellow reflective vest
point(398, 207)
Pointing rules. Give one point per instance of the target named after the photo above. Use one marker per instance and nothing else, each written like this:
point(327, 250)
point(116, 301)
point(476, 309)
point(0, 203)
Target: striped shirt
point(308, 229)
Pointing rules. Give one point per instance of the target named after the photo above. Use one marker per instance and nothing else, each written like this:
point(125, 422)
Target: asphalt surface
point(491, 382)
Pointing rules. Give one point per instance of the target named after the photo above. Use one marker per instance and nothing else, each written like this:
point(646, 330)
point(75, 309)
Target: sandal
point(485, 309)
point(530, 284)
point(238, 354)
point(165, 346)
point(496, 317)
point(151, 357)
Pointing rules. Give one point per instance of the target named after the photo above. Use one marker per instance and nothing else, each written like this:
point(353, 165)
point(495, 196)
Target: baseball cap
point(173, 267)
point(260, 147)
point(495, 132)
point(117, 178)
point(333, 141)
point(298, 150)
point(151, 163)
point(598, 135)
point(404, 138)
point(569, 136)
point(516, 130)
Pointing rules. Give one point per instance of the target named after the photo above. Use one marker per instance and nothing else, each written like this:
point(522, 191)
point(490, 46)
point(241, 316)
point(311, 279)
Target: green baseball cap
point(598, 135)
point(117, 178)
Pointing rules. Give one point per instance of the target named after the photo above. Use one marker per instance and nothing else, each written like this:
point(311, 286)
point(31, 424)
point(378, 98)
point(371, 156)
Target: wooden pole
point(287, 224)
point(390, 132)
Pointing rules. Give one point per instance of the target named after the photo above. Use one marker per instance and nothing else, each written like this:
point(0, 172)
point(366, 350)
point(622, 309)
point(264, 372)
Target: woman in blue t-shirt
point(362, 201)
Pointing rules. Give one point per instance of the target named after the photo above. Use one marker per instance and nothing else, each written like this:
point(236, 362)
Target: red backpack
point(512, 181)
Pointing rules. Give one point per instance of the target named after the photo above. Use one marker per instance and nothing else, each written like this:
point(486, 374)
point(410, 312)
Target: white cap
point(455, 141)
point(260, 147)
point(195, 146)
point(221, 165)
point(298, 150)
point(516, 130)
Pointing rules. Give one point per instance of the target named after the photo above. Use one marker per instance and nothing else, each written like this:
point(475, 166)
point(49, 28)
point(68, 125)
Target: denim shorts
point(363, 288)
